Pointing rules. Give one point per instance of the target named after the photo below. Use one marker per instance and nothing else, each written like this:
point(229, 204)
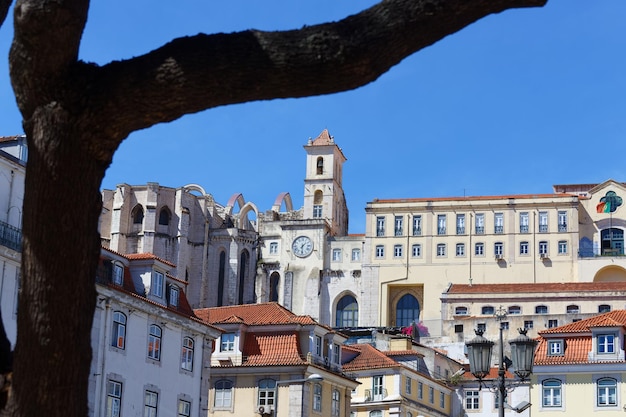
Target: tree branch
point(195, 73)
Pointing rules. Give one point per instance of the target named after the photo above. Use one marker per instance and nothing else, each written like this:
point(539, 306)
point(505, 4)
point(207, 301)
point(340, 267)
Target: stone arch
point(336, 304)
point(244, 223)
point(194, 187)
point(396, 293)
point(610, 273)
point(235, 198)
point(282, 197)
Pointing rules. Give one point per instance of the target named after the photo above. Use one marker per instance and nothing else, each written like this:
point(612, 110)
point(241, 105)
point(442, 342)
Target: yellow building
point(580, 368)
point(415, 248)
point(271, 362)
point(393, 383)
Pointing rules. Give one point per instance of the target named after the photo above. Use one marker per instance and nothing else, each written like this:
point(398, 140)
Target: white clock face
point(302, 246)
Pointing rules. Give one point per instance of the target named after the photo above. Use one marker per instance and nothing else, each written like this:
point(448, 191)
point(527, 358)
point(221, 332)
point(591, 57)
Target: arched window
point(243, 269)
point(407, 311)
point(267, 393)
point(223, 394)
point(607, 392)
point(320, 165)
point(541, 309)
point(154, 342)
point(604, 308)
point(118, 337)
point(220, 279)
point(164, 216)
point(186, 356)
point(137, 214)
point(376, 413)
point(551, 393)
point(572, 309)
point(274, 282)
point(460, 311)
point(347, 312)
point(488, 310)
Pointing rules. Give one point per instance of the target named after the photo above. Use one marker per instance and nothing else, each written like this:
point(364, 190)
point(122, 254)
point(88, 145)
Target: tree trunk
point(60, 253)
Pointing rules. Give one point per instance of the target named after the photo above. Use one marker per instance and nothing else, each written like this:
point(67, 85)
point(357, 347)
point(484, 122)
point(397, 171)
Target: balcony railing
point(543, 228)
point(380, 232)
point(10, 236)
point(523, 228)
point(480, 230)
point(397, 232)
point(417, 231)
point(563, 227)
point(441, 230)
point(498, 230)
point(375, 394)
point(460, 230)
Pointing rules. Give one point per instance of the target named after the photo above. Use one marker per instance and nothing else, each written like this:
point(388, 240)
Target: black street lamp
point(523, 352)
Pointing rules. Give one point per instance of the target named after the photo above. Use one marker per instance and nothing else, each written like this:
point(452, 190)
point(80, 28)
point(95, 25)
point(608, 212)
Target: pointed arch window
point(137, 214)
point(347, 312)
point(164, 216)
point(407, 310)
point(220, 279)
point(274, 282)
point(243, 270)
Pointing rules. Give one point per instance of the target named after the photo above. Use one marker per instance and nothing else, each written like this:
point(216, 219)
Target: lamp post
point(310, 378)
point(522, 350)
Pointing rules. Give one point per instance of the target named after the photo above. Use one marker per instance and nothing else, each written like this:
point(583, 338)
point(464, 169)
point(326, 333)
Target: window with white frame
point(416, 250)
point(441, 249)
point(523, 222)
point(555, 347)
point(572, 309)
point(515, 310)
point(543, 248)
point(377, 387)
point(174, 293)
point(604, 308)
point(479, 249)
point(417, 225)
point(335, 405)
point(472, 399)
point(380, 251)
point(498, 220)
point(553, 323)
point(317, 211)
point(431, 395)
point(227, 342)
point(606, 343)
point(606, 392)
point(118, 334)
point(317, 397)
point(528, 324)
point(154, 342)
point(267, 393)
point(441, 224)
point(156, 287)
point(273, 248)
point(442, 400)
point(397, 251)
point(420, 390)
point(318, 345)
point(523, 248)
point(186, 354)
point(380, 226)
point(481, 327)
point(150, 404)
point(487, 310)
point(480, 224)
point(541, 309)
point(498, 249)
point(397, 226)
point(460, 249)
point(223, 394)
point(114, 399)
point(336, 353)
point(356, 255)
point(184, 408)
point(543, 222)
point(562, 247)
point(551, 393)
point(460, 224)
point(118, 274)
point(336, 255)
point(562, 221)
point(408, 383)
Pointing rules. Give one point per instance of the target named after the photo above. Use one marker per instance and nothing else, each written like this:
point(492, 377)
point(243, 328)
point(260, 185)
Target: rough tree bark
point(75, 115)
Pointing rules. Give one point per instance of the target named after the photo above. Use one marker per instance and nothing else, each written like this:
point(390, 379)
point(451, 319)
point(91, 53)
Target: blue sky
point(515, 103)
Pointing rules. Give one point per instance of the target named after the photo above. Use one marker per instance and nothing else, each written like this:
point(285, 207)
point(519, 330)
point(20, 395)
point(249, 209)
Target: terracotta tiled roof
point(536, 288)
point(368, 358)
point(407, 352)
point(9, 138)
point(253, 314)
point(148, 256)
point(475, 198)
point(614, 318)
point(576, 351)
point(493, 374)
point(272, 349)
point(324, 138)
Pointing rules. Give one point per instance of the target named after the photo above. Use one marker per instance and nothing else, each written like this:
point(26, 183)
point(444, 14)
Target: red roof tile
point(324, 138)
point(576, 350)
point(253, 314)
point(536, 288)
point(614, 318)
point(132, 256)
point(272, 349)
point(493, 374)
point(368, 358)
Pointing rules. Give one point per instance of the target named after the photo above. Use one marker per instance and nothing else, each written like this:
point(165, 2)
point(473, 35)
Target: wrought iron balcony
point(523, 228)
point(563, 227)
point(417, 231)
point(543, 228)
point(398, 232)
point(10, 236)
point(460, 230)
point(498, 230)
point(480, 230)
point(441, 230)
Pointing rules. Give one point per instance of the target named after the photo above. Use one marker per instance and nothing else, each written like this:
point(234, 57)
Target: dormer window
point(156, 289)
point(174, 291)
point(336, 353)
point(118, 274)
point(318, 345)
point(606, 343)
point(555, 348)
point(228, 342)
